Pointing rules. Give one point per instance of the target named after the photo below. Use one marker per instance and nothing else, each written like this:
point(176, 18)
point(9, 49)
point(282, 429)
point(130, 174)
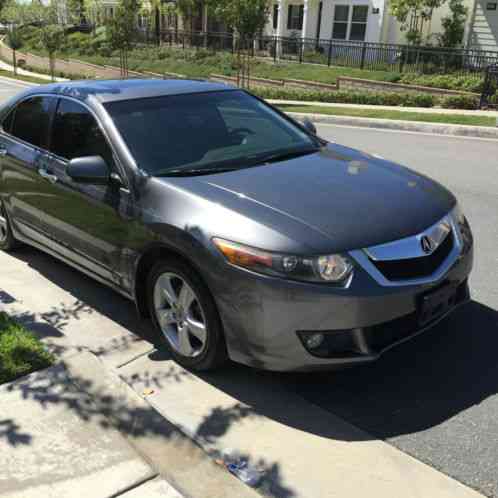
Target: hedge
point(348, 97)
point(460, 102)
point(467, 83)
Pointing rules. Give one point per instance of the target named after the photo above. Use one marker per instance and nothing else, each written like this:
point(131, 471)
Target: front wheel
point(185, 315)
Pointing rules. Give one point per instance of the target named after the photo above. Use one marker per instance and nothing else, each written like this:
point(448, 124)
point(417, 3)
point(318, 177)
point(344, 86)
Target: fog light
point(314, 341)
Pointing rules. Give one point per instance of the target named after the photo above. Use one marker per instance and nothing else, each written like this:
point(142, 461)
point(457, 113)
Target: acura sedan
point(237, 230)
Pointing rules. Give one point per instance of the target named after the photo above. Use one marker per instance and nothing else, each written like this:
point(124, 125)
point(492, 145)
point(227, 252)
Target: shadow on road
point(420, 384)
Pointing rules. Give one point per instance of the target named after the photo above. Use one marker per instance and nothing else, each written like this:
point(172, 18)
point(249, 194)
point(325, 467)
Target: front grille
point(402, 269)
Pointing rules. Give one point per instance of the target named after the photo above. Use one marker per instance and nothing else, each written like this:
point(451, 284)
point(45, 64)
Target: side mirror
point(309, 126)
point(90, 169)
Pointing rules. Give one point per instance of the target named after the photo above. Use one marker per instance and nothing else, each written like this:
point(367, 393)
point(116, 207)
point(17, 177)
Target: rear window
point(31, 121)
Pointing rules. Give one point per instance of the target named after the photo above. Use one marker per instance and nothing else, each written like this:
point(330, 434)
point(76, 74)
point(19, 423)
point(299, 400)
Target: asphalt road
point(436, 397)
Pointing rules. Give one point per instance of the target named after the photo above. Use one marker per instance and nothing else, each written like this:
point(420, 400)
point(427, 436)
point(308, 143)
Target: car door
point(92, 221)
point(24, 159)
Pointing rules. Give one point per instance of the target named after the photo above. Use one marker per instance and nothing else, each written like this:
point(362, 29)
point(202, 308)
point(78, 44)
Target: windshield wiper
point(195, 172)
point(282, 156)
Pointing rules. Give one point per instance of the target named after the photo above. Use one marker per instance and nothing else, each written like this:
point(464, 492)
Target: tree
point(412, 15)
point(14, 40)
point(454, 25)
point(122, 29)
point(77, 10)
point(247, 17)
point(46, 16)
point(189, 10)
point(52, 39)
point(18, 13)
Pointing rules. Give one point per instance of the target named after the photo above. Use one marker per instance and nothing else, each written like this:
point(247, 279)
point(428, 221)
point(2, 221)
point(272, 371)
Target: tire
point(7, 241)
point(180, 303)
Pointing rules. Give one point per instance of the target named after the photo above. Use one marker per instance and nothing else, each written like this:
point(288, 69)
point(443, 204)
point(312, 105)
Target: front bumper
point(262, 316)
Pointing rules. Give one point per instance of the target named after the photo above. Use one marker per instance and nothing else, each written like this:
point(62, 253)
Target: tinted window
point(32, 120)
point(76, 133)
point(8, 122)
point(202, 130)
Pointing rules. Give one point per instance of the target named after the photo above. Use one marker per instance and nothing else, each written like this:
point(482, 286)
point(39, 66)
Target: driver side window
point(76, 133)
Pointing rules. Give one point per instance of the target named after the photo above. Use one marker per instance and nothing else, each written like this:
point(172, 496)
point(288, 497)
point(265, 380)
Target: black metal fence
point(362, 55)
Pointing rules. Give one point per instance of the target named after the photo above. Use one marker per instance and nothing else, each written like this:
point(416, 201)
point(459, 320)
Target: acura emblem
point(427, 244)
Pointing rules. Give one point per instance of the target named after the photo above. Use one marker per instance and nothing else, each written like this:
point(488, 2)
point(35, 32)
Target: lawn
point(395, 115)
point(20, 352)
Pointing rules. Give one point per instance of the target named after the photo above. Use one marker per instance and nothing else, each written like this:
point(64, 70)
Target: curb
point(411, 126)
point(164, 446)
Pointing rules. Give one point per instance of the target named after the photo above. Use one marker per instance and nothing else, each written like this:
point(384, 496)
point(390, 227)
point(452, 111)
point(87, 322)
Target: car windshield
point(206, 132)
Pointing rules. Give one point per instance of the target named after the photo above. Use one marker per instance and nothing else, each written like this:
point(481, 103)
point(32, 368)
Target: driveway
point(434, 398)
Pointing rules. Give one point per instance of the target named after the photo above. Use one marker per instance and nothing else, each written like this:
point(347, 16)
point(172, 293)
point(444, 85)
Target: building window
point(359, 23)
point(295, 17)
point(350, 23)
point(341, 20)
point(275, 16)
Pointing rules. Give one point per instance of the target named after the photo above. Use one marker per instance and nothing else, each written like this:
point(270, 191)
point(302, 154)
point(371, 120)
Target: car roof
point(127, 89)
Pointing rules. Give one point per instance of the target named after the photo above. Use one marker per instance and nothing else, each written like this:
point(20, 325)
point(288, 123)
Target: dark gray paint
point(333, 201)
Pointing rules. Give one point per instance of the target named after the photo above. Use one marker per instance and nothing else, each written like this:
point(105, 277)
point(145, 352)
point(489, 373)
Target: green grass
point(20, 352)
point(395, 115)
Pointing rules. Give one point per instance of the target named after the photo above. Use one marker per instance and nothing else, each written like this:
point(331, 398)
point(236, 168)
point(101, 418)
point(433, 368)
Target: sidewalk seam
point(136, 485)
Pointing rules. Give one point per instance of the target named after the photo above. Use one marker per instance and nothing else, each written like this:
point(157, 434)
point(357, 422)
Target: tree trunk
point(51, 57)
point(14, 60)
point(158, 25)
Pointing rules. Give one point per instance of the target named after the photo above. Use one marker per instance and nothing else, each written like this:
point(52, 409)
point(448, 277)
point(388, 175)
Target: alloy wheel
point(180, 315)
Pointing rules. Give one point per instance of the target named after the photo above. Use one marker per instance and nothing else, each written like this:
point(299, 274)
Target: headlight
point(464, 227)
point(329, 268)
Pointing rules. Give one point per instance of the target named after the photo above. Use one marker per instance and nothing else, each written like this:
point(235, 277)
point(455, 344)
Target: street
point(435, 398)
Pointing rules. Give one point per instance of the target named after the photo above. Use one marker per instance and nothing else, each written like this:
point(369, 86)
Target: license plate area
point(434, 304)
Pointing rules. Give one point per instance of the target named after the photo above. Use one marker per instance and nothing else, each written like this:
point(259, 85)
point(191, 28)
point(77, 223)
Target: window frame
point(361, 23)
point(13, 111)
point(292, 17)
point(349, 23)
point(117, 162)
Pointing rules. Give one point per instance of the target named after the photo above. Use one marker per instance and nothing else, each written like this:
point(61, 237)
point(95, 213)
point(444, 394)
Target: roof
point(114, 90)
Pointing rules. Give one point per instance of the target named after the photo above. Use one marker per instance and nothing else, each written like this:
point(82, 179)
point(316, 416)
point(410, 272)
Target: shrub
point(460, 102)
point(345, 97)
point(467, 83)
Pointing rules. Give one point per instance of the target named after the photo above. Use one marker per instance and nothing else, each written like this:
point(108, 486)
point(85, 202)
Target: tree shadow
point(10, 430)
point(89, 295)
point(111, 409)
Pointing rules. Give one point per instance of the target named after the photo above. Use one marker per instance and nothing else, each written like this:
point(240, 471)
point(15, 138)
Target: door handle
point(47, 176)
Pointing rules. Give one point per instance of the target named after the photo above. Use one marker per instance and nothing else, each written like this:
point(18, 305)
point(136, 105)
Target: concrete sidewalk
point(55, 442)
point(23, 72)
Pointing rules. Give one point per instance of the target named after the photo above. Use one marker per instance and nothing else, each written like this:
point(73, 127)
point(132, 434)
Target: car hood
point(353, 199)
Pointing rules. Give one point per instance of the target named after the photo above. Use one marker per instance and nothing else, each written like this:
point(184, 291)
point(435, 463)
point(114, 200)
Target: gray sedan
point(237, 230)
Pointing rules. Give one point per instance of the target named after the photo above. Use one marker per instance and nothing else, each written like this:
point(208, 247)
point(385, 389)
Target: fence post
point(363, 54)
point(301, 51)
point(329, 62)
